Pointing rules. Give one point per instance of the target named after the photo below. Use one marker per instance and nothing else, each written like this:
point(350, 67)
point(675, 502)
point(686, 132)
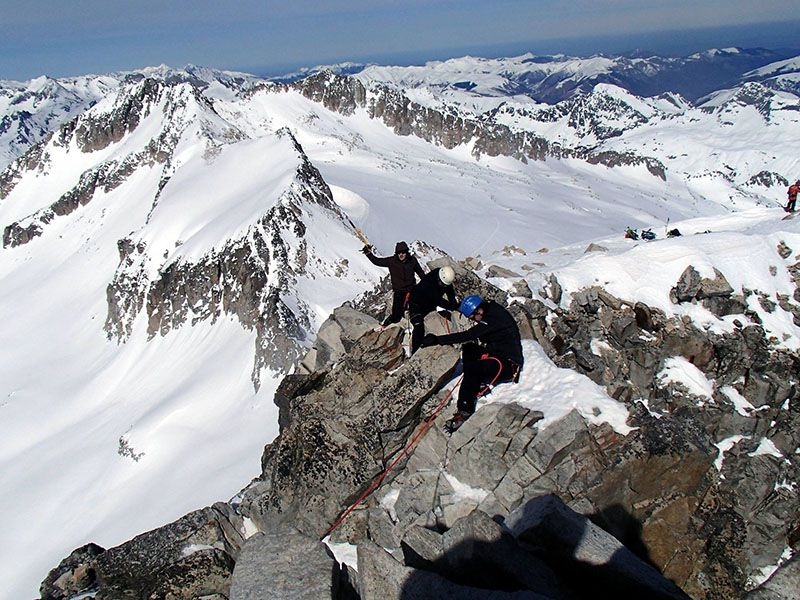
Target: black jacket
point(401, 272)
point(429, 293)
point(497, 330)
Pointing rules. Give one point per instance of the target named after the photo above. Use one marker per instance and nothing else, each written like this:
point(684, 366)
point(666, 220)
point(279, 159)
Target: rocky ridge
point(251, 277)
point(180, 109)
point(450, 128)
point(503, 508)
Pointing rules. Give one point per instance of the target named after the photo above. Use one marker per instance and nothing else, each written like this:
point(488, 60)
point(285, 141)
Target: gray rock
point(73, 576)
point(551, 442)
point(191, 557)
point(691, 286)
point(711, 288)
point(522, 289)
point(327, 348)
point(320, 464)
point(336, 336)
point(783, 585)
point(479, 551)
point(497, 271)
point(285, 564)
point(555, 290)
point(687, 287)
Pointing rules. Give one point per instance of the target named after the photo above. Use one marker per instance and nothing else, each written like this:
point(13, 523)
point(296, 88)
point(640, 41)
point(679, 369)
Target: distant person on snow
point(434, 290)
point(402, 267)
point(498, 358)
point(794, 189)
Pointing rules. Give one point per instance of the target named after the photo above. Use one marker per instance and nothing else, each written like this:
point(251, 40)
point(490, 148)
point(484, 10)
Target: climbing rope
point(488, 386)
point(379, 479)
point(446, 323)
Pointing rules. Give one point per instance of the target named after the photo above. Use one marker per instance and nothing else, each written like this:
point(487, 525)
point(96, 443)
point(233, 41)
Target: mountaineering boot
point(457, 421)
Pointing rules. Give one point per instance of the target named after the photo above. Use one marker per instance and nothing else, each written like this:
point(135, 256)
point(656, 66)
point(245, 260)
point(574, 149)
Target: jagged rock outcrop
point(694, 506)
point(95, 130)
point(336, 336)
point(449, 129)
point(249, 277)
point(306, 568)
point(342, 434)
point(190, 558)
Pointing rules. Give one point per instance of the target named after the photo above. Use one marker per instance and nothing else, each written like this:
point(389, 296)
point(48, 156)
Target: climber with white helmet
point(434, 290)
point(402, 267)
point(497, 359)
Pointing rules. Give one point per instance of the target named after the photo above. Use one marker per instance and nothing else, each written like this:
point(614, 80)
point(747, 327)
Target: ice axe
point(361, 235)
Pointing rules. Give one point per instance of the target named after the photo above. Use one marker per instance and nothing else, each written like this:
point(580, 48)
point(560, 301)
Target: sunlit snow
point(104, 440)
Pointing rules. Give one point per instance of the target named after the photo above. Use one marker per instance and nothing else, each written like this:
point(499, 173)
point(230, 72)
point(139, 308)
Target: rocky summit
point(508, 506)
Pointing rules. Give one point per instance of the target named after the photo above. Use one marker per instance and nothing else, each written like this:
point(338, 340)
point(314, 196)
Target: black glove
point(367, 249)
point(429, 340)
point(445, 314)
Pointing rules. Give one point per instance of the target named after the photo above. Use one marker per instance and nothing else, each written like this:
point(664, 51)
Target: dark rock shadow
point(617, 521)
point(543, 550)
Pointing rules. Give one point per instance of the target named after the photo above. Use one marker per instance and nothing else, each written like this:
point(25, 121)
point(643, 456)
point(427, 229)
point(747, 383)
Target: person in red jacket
point(794, 189)
point(402, 267)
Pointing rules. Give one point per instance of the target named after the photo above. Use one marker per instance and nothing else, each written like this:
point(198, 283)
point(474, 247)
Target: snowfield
point(103, 440)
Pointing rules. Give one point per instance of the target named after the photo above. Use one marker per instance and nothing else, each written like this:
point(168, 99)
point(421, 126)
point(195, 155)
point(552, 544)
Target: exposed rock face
point(305, 570)
point(190, 558)
point(96, 130)
point(249, 278)
point(34, 159)
point(342, 434)
point(506, 509)
point(406, 117)
point(73, 575)
point(106, 177)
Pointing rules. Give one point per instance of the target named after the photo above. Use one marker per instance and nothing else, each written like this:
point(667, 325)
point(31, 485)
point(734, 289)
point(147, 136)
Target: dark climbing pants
point(418, 329)
point(399, 300)
point(480, 372)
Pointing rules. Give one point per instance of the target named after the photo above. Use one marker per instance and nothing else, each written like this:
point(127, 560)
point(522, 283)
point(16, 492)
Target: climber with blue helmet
point(434, 290)
point(492, 353)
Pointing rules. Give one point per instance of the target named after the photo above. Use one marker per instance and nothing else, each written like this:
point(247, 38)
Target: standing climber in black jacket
point(497, 360)
point(402, 266)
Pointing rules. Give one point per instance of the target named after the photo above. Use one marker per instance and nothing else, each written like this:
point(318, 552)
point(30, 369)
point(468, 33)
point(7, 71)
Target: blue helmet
point(469, 304)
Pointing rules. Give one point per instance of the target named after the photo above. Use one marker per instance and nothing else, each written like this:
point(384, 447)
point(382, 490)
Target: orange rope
point(377, 481)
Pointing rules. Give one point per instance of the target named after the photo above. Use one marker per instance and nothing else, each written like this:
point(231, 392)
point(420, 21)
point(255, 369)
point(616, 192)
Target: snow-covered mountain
point(173, 239)
point(33, 109)
point(551, 79)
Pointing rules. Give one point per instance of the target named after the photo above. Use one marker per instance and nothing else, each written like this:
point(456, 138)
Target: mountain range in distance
point(174, 238)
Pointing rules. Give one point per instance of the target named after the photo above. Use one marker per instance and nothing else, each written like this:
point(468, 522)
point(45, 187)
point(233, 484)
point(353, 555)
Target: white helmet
point(447, 275)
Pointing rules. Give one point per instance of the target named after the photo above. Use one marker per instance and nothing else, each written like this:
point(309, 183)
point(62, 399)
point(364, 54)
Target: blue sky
point(75, 37)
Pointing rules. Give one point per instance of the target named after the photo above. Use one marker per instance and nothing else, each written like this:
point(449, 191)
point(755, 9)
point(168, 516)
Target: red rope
point(377, 481)
point(489, 385)
point(446, 323)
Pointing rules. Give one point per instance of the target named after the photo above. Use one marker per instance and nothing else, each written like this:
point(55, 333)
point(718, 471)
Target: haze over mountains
point(174, 238)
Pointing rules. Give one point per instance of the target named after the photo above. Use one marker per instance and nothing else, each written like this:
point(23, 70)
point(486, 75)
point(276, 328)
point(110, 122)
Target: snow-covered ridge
point(199, 174)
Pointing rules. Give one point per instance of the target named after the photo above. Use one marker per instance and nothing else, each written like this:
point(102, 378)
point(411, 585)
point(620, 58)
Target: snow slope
point(104, 440)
